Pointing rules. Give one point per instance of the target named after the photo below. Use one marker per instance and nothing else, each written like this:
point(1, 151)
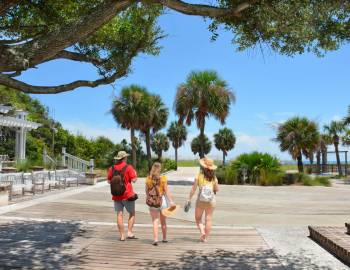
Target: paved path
point(255, 228)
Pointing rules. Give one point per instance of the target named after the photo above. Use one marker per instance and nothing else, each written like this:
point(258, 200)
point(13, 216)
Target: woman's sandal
point(132, 237)
point(155, 244)
point(165, 241)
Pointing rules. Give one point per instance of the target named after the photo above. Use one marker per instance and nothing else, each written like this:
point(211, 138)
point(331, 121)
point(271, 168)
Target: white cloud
point(336, 118)
point(248, 140)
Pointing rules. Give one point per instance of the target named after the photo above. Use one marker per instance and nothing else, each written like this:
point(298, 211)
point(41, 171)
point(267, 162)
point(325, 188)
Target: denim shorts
point(128, 205)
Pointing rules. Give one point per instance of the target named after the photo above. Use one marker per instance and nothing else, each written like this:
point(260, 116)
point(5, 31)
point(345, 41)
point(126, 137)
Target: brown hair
point(208, 174)
point(154, 174)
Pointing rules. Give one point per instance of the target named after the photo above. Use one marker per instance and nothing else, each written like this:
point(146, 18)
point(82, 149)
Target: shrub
point(226, 175)
point(270, 178)
point(168, 165)
point(256, 165)
point(317, 181)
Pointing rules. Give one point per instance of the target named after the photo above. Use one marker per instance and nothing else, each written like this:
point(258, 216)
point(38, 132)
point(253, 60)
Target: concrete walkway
point(68, 223)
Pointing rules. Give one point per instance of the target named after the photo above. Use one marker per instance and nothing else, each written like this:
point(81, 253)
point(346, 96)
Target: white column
point(21, 136)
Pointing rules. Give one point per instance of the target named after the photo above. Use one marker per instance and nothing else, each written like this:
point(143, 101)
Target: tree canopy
point(109, 33)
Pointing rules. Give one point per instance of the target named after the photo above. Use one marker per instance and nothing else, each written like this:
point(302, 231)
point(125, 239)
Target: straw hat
point(170, 210)
point(207, 163)
point(121, 155)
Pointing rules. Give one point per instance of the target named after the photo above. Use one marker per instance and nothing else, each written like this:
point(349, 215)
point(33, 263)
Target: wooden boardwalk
point(78, 231)
point(227, 249)
point(68, 245)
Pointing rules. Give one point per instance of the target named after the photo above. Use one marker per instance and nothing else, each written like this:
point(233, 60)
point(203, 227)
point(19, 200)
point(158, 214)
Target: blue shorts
point(128, 205)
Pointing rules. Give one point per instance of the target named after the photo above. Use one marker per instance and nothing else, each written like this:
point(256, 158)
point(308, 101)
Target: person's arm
point(109, 175)
point(193, 189)
point(132, 174)
point(216, 186)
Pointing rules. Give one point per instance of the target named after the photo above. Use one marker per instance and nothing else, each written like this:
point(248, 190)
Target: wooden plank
point(334, 239)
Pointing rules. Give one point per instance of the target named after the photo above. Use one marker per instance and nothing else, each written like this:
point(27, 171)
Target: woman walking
point(208, 186)
point(158, 198)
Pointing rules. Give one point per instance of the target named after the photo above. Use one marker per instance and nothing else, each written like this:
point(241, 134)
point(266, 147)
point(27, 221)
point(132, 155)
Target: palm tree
point(298, 136)
point(126, 112)
point(224, 141)
point(335, 130)
point(322, 152)
point(159, 144)
point(153, 117)
point(203, 94)
point(346, 138)
point(347, 118)
point(177, 134)
point(197, 146)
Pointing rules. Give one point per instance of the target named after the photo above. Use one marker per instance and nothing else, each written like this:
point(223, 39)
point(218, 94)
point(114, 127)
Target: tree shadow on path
point(28, 245)
point(225, 260)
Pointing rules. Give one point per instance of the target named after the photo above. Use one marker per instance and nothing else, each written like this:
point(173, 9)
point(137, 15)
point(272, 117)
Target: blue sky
point(269, 88)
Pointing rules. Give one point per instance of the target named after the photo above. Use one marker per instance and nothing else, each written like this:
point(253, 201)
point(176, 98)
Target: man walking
point(127, 199)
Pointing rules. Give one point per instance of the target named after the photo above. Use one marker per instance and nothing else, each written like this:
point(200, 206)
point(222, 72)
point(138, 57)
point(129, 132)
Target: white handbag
point(206, 193)
point(165, 202)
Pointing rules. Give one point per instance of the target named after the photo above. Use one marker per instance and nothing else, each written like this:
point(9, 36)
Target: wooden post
point(63, 156)
point(91, 165)
point(346, 163)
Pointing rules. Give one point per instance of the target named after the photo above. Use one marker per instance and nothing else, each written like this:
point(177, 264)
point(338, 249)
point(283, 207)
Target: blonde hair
point(154, 174)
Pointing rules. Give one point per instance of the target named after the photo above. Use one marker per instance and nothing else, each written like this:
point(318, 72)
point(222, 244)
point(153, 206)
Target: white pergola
point(21, 125)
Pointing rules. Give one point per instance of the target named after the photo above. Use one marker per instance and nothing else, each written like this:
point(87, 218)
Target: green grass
point(289, 167)
point(317, 181)
point(188, 163)
point(194, 162)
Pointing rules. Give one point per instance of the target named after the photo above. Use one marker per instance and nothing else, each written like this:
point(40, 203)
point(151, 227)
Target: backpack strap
point(123, 170)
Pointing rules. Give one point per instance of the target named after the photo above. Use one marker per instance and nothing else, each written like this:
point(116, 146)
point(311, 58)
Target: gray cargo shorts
point(129, 206)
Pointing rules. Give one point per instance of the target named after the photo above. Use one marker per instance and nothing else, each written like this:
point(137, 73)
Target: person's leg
point(118, 207)
point(164, 228)
point(208, 221)
point(198, 217)
point(130, 207)
point(155, 221)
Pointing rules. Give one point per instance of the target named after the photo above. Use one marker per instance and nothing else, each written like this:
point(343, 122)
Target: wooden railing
point(75, 163)
point(49, 160)
point(329, 168)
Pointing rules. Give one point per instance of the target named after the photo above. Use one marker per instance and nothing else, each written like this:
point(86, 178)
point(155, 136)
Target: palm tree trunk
point(133, 147)
point(318, 162)
point(300, 164)
point(202, 141)
point(160, 156)
point(148, 149)
point(324, 160)
point(223, 157)
point(311, 158)
point(176, 158)
point(336, 144)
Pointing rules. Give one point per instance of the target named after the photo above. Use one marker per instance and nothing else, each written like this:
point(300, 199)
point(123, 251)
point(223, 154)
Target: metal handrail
point(76, 163)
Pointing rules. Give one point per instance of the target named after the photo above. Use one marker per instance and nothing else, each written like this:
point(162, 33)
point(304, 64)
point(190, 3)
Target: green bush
point(317, 181)
point(168, 165)
point(270, 178)
point(26, 165)
point(257, 167)
point(227, 175)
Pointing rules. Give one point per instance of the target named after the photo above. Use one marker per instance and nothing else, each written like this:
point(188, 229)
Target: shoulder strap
point(124, 169)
